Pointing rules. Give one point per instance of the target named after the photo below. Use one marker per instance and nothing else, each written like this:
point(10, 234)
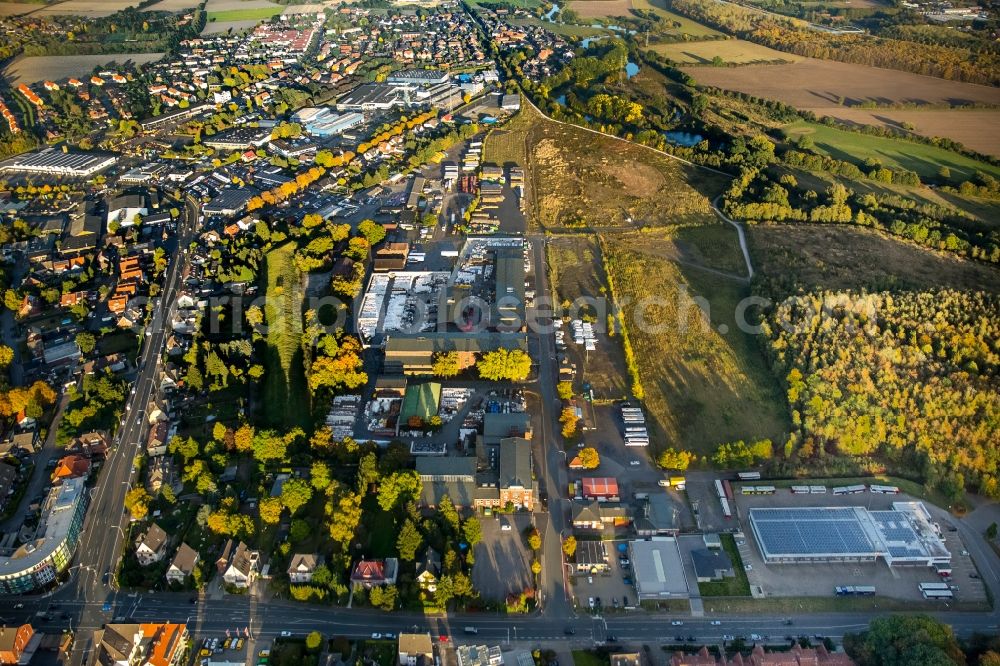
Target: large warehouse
point(658, 568)
point(904, 535)
point(58, 163)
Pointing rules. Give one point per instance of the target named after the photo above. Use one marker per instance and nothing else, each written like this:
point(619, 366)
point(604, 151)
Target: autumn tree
point(569, 420)
point(569, 546)
point(565, 390)
point(446, 364)
point(295, 493)
point(137, 502)
point(270, 509)
point(675, 459)
point(504, 365)
point(589, 458)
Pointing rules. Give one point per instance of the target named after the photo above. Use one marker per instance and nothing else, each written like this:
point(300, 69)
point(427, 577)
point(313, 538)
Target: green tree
point(373, 232)
point(503, 364)
point(270, 510)
point(295, 493)
point(674, 459)
point(448, 511)
point(402, 486)
point(472, 531)
point(991, 531)
point(904, 640)
point(86, 342)
point(409, 541)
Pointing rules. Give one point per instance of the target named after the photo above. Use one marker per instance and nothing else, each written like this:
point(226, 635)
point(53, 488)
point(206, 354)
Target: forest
point(794, 36)
point(908, 378)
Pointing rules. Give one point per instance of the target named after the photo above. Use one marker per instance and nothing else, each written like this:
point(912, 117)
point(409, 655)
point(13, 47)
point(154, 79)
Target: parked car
point(716, 623)
point(376, 636)
point(286, 634)
point(676, 623)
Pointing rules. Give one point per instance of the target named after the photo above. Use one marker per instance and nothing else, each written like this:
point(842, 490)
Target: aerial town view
point(499, 333)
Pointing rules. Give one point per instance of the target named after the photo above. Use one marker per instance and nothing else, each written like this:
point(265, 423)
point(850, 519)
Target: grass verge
point(738, 585)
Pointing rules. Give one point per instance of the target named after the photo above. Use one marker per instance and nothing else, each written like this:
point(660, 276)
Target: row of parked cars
point(210, 646)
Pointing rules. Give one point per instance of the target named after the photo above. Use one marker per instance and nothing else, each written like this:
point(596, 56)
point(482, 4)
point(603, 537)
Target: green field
point(285, 393)
point(248, 14)
point(564, 29)
point(925, 160)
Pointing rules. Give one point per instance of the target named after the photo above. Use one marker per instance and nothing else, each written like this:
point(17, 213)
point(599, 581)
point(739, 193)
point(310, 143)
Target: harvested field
point(40, 68)
point(736, 51)
point(17, 8)
point(581, 179)
point(90, 8)
point(312, 8)
point(975, 129)
point(214, 27)
point(172, 5)
point(830, 88)
point(811, 84)
point(827, 257)
point(601, 8)
point(705, 381)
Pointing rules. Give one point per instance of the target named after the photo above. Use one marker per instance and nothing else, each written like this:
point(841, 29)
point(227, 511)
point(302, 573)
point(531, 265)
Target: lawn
point(564, 29)
point(285, 393)
point(738, 585)
point(894, 153)
point(589, 658)
point(247, 14)
point(705, 381)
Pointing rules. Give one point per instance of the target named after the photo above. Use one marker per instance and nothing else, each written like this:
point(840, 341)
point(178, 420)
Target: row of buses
point(936, 591)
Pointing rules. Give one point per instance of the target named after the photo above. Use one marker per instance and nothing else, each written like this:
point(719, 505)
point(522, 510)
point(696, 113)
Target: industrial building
point(904, 535)
point(658, 569)
point(323, 122)
point(418, 76)
point(58, 163)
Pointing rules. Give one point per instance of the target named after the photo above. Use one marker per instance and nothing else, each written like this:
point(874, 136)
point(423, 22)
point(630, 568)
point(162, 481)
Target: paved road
point(106, 520)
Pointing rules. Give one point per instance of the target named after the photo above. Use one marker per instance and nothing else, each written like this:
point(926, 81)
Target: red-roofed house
point(71, 467)
point(372, 573)
point(600, 487)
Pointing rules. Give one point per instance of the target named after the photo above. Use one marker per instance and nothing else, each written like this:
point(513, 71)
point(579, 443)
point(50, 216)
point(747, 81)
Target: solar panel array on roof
point(813, 535)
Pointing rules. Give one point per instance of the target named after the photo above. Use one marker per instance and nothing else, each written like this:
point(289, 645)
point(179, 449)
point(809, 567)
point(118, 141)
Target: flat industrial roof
point(905, 533)
point(658, 568)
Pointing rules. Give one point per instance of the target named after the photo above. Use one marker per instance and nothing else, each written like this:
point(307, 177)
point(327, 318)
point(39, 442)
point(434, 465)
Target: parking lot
point(503, 561)
point(820, 579)
point(610, 588)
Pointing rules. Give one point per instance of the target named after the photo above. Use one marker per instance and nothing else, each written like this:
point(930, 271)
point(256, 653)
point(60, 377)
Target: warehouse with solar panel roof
point(903, 535)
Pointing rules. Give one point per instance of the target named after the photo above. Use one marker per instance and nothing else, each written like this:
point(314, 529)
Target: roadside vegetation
point(285, 396)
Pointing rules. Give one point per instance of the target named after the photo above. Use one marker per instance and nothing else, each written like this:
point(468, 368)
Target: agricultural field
point(40, 68)
point(16, 8)
point(224, 11)
point(963, 125)
point(687, 26)
point(564, 29)
point(732, 51)
point(581, 179)
point(172, 5)
point(826, 87)
point(923, 159)
point(285, 393)
point(214, 27)
point(828, 257)
point(601, 8)
point(705, 381)
point(817, 84)
point(90, 8)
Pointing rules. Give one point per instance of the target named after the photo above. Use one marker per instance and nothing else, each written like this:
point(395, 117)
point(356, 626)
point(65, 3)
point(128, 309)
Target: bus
point(848, 490)
point(728, 487)
point(678, 482)
point(800, 490)
point(855, 590)
point(938, 594)
point(925, 587)
point(817, 490)
point(748, 476)
point(719, 491)
point(884, 490)
point(726, 511)
point(758, 490)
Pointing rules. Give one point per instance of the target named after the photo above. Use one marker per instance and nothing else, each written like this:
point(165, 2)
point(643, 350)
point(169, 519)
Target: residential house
point(416, 650)
point(70, 467)
point(373, 573)
point(151, 545)
point(303, 566)
point(159, 435)
point(183, 564)
point(797, 656)
point(595, 515)
point(13, 643)
point(626, 659)
point(161, 472)
point(140, 645)
point(26, 441)
point(240, 566)
point(428, 570)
